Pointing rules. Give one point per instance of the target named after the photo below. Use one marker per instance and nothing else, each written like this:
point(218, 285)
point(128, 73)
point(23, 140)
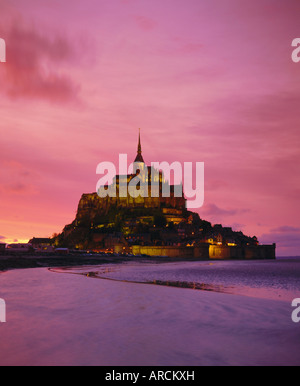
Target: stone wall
point(247, 252)
point(207, 251)
point(263, 252)
point(200, 252)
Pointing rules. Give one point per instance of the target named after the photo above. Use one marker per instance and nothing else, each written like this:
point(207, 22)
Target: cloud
point(17, 178)
point(35, 64)
point(191, 48)
point(212, 209)
point(2, 238)
point(282, 239)
point(285, 229)
point(145, 23)
point(237, 226)
point(286, 237)
point(20, 188)
point(213, 185)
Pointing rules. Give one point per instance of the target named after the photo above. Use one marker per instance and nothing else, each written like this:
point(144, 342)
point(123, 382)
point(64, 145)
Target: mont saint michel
point(153, 225)
point(163, 254)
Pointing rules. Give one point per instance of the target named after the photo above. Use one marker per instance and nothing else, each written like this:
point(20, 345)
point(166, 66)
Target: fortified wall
point(207, 251)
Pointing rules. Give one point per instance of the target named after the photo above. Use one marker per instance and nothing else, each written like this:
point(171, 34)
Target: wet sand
point(57, 319)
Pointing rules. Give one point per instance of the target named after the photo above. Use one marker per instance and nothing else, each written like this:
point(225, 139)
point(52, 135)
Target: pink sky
point(207, 81)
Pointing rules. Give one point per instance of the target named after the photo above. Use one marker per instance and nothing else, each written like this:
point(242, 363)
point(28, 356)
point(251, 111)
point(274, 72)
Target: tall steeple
point(139, 157)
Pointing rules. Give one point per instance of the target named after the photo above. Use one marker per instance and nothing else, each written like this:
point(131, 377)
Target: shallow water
point(71, 317)
point(270, 279)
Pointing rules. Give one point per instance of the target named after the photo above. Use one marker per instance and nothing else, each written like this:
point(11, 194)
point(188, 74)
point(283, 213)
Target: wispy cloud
point(286, 237)
point(290, 240)
point(212, 209)
point(285, 229)
point(37, 64)
point(144, 22)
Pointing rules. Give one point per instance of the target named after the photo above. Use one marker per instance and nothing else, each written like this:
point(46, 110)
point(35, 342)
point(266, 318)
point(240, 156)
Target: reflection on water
point(66, 318)
point(180, 284)
point(278, 280)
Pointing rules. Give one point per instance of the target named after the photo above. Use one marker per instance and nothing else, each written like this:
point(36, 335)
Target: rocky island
point(153, 226)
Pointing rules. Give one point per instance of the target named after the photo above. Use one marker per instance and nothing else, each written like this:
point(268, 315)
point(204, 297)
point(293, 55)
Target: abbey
point(145, 187)
point(115, 221)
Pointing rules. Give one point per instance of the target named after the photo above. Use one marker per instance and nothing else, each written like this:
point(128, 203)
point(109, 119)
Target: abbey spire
point(139, 157)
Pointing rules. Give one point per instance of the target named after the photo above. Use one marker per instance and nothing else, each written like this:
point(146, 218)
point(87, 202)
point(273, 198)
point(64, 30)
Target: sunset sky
point(206, 81)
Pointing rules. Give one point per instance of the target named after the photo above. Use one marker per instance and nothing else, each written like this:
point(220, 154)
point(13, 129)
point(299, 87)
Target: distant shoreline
point(23, 261)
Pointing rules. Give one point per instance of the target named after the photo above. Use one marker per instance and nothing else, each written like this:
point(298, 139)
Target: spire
point(139, 145)
point(139, 157)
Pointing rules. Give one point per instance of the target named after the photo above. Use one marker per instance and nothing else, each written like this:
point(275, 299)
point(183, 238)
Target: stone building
point(152, 224)
point(92, 206)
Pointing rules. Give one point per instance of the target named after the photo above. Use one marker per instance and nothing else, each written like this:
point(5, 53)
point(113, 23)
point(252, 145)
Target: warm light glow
point(161, 68)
